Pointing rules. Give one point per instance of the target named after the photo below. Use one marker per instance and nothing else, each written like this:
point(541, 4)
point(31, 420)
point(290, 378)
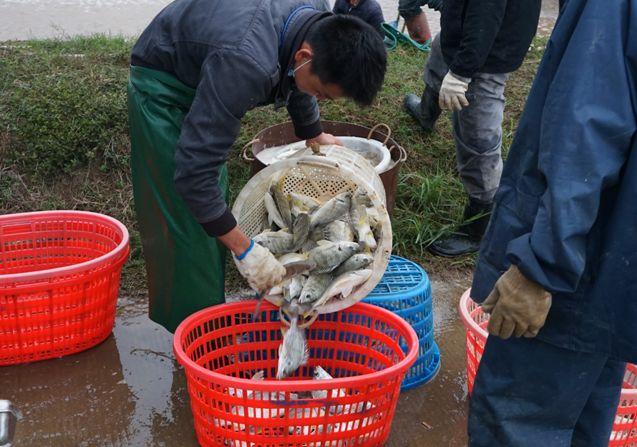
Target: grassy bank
point(64, 140)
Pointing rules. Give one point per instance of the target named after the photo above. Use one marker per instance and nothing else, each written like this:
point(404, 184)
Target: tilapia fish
point(338, 231)
point(315, 287)
point(329, 255)
point(282, 203)
point(293, 288)
point(273, 211)
point(278, 242)
point(333, 209)
point(302, 204)
point(288, 258)
point(357, 262)
point(344, 285)
point(360, 222)
point(300, 231)
point(293, 351)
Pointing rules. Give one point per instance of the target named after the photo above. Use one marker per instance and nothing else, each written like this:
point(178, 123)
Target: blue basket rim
point(423, 285)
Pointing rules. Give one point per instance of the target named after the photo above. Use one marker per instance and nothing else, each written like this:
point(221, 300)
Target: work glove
point(452, 92)
point(260, 268)
point(517, 306)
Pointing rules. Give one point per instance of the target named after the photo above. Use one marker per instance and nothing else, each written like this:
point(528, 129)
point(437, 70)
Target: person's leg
point(185, 267)
point(425, 110)
point(595, 424)
point(530, 393)
point(478, 134)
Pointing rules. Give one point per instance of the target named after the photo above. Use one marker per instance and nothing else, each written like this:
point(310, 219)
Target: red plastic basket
point(59, 280)
point(361, 347)
point(624, 432)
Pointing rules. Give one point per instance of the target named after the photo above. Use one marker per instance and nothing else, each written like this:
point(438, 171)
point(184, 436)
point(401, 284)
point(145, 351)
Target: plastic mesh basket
point(321, 178)
point(59, 280)
point(405, 290)
point(624, 432)
point(361, 347)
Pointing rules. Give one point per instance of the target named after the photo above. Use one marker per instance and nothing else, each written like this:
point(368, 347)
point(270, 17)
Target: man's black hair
point(349, 53)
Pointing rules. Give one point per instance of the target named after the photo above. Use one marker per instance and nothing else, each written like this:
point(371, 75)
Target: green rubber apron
point(185, 267)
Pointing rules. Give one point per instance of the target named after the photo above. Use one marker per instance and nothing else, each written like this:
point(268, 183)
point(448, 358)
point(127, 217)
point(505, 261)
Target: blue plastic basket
point(405, 290)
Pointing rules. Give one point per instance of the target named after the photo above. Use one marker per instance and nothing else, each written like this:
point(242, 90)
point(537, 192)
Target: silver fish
point(357, 262)
point(293, 288)
point(360, 222)
point(283, 203)
point(315, 287)
point(329, 255)
point(333, 209)
point(309, 246)
point(273, 211)
point(300, 231)
point(361, 197)
point(302, 204)
point(338, 231)
point(293, 351)
point(278, 242)
point(292, 257)
point(343, 286)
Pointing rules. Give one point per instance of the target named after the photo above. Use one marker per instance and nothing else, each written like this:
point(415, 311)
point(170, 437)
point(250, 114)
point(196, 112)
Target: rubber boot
point(466, 239)
point(424, 110)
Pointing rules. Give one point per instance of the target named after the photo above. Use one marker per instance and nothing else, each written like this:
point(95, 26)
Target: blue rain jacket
point(566, 209)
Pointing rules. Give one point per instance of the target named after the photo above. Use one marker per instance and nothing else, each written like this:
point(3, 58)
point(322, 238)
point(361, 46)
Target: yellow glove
point(517, 306)
point(260, 268)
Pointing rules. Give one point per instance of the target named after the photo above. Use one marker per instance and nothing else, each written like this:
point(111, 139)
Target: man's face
point(308, 82)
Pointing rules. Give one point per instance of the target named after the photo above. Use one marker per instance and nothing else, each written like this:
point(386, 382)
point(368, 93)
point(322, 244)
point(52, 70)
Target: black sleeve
point(482, 22)
point(306, 117)
point(340, 7)
point(230, 85)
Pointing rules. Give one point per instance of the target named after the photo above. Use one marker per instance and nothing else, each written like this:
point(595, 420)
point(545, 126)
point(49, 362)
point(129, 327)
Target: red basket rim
point(292, 385)
point(474, 327)
point(70, 269)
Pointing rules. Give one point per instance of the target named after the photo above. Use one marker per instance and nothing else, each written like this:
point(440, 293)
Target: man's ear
point(304, 53)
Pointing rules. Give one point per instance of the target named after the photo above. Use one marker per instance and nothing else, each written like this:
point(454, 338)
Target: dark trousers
point(530, 393)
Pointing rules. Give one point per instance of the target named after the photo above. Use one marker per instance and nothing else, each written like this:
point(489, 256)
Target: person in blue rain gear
point(368, 11)
point(558, 265)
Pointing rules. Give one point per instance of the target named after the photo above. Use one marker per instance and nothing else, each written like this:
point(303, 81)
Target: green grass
point(64, 140)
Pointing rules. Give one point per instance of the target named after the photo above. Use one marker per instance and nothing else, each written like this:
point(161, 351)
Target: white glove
point(452, 92)
point(260, 268)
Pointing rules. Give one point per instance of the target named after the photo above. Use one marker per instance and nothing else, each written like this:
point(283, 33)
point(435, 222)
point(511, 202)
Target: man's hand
point(452, 92)
point(418, 28)
point(517, 306)
point(324, 139)
point(260, 268)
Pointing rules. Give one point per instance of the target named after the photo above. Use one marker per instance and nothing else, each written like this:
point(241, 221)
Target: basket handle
point(373, 129)
point(320, 162)
point(244, 150)
point(403, 153)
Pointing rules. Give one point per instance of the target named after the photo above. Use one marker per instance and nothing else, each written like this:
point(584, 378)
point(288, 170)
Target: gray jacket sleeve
point(231, 83)
point(305, 115)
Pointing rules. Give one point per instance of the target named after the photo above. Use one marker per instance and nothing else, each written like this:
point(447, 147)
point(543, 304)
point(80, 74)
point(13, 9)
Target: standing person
point(480, 44)
point(368, 11)
point(558, 265)
point(195, 71)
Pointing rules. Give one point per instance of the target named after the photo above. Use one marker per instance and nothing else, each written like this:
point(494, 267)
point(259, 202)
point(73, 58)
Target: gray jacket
point(237, 55)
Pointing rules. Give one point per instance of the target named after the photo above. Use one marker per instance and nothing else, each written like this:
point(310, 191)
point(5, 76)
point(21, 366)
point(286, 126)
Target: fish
point(338, 231)
point(333, 209)
point(329, 255)
point(361, 197)
point(293, 352)
point(278, 242)
point(308, 246)
point(343, 285)
point(300, 231)
point(301, 203)
point(273, 212)
point(293, 288)
point(315, 287)
point(292, 257)
point(356, 262)
point(374, 217)
point(321, 374)
point(360, 222)
point(282, 202)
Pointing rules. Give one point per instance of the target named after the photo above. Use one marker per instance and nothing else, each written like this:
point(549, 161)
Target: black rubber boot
point(425, 110)
point(466, 239)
